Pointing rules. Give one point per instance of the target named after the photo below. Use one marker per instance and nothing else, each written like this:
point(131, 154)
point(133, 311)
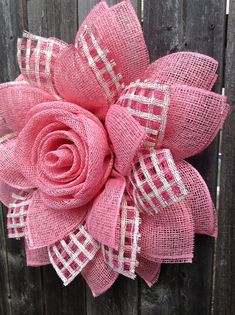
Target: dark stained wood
point(171, 26)
point(56, 18)
point(224, 296)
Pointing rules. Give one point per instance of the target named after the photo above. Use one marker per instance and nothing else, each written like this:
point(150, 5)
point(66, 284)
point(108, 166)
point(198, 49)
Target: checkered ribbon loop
point(17, 213)
point(101, 63)
point(70, 255)
point(148, 103)
point(124, 260)
point(154, 182)
point(36, 57)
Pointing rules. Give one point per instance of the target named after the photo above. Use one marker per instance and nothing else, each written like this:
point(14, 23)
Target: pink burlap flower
point(93, 142)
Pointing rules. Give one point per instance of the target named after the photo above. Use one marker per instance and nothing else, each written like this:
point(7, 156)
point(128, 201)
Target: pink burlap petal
point(45, 225)
point(187, 68)
point(36, 257)
point(193, 120)
point(148, 270)
point(98, 275)
point(37, 57)
point(78, 84)
point(168, 236)
point(126, 135)
point(9, 167)
point(16, 99)
point(199, 200)
point(119, 29)
point(104, 216)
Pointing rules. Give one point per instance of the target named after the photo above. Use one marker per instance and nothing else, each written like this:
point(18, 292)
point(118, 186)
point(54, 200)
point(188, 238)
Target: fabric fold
point(45, 225)
point(104, 218)
point(126, 135)
point(98, 275)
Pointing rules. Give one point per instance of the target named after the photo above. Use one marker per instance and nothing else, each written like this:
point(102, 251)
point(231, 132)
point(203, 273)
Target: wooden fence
point(202, 288)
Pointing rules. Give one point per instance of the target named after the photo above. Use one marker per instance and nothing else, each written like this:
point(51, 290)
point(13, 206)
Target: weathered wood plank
point(171, 26)
point(20, 286)
point(53, 18)
point(224, 296)
point(57, 18)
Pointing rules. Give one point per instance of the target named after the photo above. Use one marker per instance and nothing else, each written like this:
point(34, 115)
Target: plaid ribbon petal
point(17, 213)
point(154, 182)
point(36, 57)
point(148, 103)
point(70, 255)
point(124, 260)
point(101, 63)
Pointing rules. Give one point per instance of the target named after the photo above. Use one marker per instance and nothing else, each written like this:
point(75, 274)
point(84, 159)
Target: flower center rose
point(64, 151)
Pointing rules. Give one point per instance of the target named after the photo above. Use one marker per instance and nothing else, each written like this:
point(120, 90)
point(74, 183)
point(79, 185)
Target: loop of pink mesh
point(10, 173)
point(194, 119)
point(98, 275)
point(36, 257)
point(63, 150)
point(168, 236)
point(104, 216)
point(120, 31)
point(17, 99)
point(124, 260)
point(148, 270)
point(154, 182)
point(70, 255)
point(199, 200)
point(148, 103)
point(36, 58)
point(78, 84)
point(126, 135)
point(188, 68)
point(45, 225)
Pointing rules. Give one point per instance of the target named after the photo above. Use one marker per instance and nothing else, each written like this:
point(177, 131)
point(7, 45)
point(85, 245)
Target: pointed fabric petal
point(148, 270)
point(70, 255)
point(126, 135)
point(16, 99)
point(124, 260)
point(37, 257)
point(9, 168)
point(45, 225)
point(98, 275)
point(119, 29)
point(168, 236)
point(36, 58)
point(199, 200)
point(188, 68)
point(17, 213)
point(194, 119)
point(104, 216)
point(154, 182)
point(181, 118)
point(91, 77)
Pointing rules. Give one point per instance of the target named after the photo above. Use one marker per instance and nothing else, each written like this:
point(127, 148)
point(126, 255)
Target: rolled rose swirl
point(63, 151)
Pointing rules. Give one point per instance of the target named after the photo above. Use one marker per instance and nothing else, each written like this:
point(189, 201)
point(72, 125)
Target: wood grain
point(224, 296)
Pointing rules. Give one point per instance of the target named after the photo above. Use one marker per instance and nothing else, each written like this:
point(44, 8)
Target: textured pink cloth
point(92, 142)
